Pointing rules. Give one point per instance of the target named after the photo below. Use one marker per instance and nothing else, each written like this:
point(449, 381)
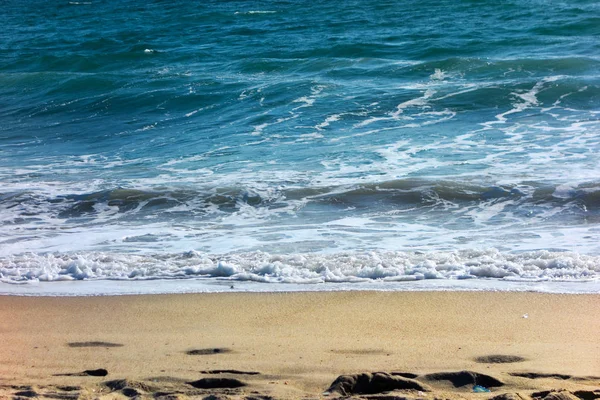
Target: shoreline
point(93, 288)
point(298, 342)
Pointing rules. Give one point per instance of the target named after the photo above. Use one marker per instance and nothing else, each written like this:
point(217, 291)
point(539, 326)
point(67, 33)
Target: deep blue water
point(380, 139)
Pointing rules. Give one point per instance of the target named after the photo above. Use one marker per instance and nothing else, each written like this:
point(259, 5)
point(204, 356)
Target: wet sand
point(295, 345)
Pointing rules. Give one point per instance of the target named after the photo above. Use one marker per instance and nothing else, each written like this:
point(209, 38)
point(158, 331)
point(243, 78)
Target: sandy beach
point(295, 345)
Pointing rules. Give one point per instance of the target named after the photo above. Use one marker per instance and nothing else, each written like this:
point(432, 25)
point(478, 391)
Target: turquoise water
point(300, 142)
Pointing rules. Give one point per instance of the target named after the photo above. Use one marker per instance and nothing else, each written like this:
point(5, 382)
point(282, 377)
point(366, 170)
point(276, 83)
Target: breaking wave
point(583, 198)
point(306, 268)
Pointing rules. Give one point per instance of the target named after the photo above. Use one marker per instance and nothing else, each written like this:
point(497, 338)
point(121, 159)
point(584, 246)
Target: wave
point(472, 67)
point(389, 195)
point(295, 128)
point(169, 96)
point(350, 267)
point(409, 190)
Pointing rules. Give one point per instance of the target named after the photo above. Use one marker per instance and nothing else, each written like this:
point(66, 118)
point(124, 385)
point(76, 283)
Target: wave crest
point(307, 268)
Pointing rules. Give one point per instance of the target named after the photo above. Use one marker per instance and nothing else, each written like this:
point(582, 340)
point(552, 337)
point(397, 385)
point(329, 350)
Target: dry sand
point(299, 343)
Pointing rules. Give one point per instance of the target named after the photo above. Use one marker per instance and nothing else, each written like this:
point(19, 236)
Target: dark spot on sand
point(94, 344)
point(463, 378)
point(229, 371)
point(26, 393)
point(68, 388)
point(535, 375)
point(16, 387)
point(587, 394)
point(206, 352)
point(217, 383)
point(96, 372)
point(130, 392)
point(378, 382)
point(499, 359)
point(585, 378)
point(404, 374)
point(87, 372)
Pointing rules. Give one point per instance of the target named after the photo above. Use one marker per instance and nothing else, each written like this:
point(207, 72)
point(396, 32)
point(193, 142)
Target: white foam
point(252, 12)
point(309, 101)
point(258, 129)
point(438, 75)
point(307, 268)
point(529, 99)
point(328, 121)
point(419, 101)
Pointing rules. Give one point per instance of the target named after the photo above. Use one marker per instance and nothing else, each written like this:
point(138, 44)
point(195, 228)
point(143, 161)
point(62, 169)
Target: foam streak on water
point(299, 143)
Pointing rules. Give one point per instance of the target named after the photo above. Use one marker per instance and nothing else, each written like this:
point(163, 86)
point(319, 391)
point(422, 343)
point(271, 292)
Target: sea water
point(299, 145)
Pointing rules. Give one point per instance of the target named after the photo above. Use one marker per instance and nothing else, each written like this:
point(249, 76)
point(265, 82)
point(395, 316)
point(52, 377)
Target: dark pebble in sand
point(587, 394)
point(499, 359)
point(95, 372)
point(217, 383)
point(206, 352)
point(404, 374)
point(130, 392)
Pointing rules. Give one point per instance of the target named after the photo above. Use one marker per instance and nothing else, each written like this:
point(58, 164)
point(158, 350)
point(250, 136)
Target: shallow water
point(299, 142)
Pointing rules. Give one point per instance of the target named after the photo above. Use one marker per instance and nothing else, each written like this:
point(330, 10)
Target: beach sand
point(295, 345)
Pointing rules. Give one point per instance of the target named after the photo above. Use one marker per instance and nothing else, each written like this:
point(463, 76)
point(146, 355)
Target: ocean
point(167, 146)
